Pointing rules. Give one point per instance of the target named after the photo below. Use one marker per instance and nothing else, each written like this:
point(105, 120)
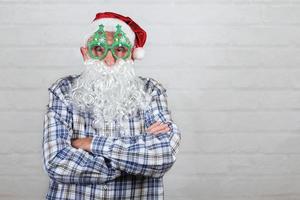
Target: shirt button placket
point(105, 195)
point(105, 187)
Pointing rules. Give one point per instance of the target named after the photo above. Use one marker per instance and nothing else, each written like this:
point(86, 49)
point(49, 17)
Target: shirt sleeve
point(62, 162)
point(146, 154)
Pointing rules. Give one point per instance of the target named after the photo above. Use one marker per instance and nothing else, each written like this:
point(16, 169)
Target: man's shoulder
point(153, 86)
point(62, 82)
point(61, 86)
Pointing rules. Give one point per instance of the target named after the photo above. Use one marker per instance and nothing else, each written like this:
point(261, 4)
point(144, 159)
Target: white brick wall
point(232, 72)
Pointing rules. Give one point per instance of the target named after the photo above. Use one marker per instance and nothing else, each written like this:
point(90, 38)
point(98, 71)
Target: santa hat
point(133, 31)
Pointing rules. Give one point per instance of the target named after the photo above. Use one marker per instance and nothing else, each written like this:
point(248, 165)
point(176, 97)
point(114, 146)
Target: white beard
point(109, 93)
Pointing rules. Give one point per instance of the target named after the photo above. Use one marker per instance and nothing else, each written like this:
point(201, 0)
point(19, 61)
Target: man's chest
point(84, 126)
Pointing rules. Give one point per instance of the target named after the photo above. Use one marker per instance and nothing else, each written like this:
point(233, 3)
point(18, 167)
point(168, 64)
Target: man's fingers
point(160, 127)
point(162, 130)
point(82, 143)
point(75, 143)
point(153, 126)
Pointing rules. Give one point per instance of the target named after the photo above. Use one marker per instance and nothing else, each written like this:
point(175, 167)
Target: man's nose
point(109, 59)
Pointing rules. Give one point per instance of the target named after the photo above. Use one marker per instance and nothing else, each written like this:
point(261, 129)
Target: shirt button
point(105, 187)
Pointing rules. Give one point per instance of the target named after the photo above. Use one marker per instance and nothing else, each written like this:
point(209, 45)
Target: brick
point(240, 143)
point(22, 165)
point(202, 35)
point(19, 187)
point(238, 121)
point(211, 187)
point(223, 14)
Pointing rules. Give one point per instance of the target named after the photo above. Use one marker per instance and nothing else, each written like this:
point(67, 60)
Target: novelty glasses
point(98, 46)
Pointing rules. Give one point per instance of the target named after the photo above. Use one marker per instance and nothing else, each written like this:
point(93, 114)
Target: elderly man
point(108, 134)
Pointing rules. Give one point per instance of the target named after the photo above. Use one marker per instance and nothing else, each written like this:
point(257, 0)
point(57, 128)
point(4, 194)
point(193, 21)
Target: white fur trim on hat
point(138, 53)
point(110, 25)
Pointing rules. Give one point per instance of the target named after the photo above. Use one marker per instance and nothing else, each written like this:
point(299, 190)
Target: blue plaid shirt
point(127, 166)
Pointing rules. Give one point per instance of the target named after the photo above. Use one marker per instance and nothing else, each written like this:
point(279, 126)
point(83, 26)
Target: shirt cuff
point(101, 145)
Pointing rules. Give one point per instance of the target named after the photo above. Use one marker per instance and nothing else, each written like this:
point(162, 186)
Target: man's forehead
point(109, 34)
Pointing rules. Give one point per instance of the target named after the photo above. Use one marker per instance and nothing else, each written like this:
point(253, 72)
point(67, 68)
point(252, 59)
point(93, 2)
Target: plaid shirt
point(130, 165)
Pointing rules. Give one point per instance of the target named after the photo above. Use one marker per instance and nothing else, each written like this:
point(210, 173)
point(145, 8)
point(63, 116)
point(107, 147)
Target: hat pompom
point(138, 53)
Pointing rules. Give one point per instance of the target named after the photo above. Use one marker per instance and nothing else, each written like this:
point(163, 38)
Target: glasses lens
point(121, 51)
point(98, 51)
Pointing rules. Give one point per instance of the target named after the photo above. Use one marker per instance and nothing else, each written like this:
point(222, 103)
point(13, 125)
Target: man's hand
point(158, 127)
point(82, 143)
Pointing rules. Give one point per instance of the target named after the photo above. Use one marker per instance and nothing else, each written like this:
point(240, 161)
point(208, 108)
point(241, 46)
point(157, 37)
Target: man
point(108, 134)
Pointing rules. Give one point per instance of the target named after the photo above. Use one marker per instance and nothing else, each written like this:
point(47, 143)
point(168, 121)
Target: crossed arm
point(85, 143)
point(100, 159)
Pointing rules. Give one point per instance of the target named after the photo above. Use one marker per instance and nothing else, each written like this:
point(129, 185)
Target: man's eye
point(121, 49)
point(99, 49)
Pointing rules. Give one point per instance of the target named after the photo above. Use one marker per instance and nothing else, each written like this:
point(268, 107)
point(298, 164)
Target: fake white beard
point(109, 92)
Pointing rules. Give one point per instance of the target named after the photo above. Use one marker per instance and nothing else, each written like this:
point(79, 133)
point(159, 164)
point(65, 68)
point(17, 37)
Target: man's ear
point(131, 54)
point(84, 53)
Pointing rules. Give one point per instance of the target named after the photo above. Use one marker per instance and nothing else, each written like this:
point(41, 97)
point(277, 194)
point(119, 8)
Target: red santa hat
point(133, 31)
